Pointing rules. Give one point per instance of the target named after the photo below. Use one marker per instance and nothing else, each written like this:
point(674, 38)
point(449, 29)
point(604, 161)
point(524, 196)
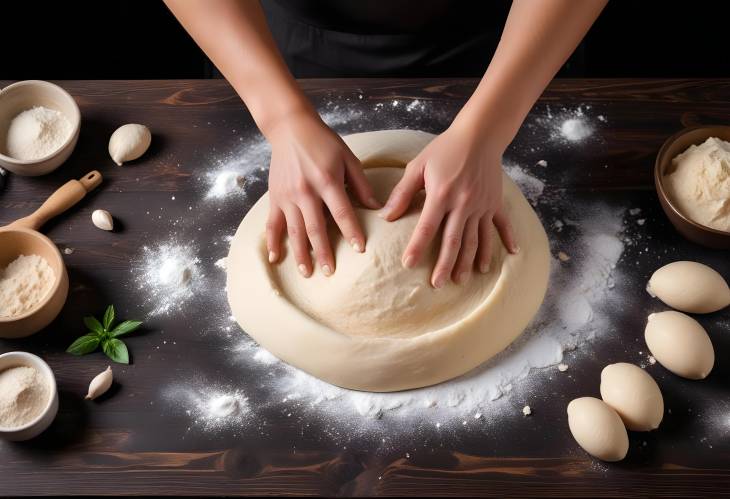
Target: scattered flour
point(168, 275)
point(210, 406)
point(24, 283)
point(226, 183)
point(575, 129)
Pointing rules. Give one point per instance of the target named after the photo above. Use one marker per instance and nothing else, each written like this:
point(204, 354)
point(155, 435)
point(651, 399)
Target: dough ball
point(598, 429)
point(633, 394)
point(680, 343)
point(690, 287)
point(371, 294)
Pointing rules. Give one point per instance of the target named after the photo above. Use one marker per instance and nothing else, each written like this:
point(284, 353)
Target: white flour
point(168, 276)
point(572, 314)
point(36, 133)
point(566, 126)
point(210, 406)
point(24, 283)
point(23, 396)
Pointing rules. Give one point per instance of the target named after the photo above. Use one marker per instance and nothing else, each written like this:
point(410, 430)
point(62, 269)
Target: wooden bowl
point(20, 241)
point(22, 238)
point(46, 417)
point(24, 95)
point(674, 145)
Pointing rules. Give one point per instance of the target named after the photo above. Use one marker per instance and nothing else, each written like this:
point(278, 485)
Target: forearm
point(235, 36)
point(538, 38)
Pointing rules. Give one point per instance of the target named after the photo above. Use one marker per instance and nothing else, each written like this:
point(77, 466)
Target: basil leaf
point(94, 325)
point(125, 327)
point(109, 317)
point(116, 350)
point(83, 345)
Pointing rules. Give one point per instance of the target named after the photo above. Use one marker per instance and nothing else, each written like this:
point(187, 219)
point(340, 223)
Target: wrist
point(481, 132)
point(274, 119)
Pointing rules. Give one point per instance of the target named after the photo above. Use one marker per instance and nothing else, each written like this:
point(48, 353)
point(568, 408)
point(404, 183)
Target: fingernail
point(303, 270)
point(356, 245)
point(408, 261)
point(463, 277)
point(383, 213)
point(327, 270)
point(438, 281)
point(515, 249)
point(374, 203)
point(484, 268)
point(272, 257)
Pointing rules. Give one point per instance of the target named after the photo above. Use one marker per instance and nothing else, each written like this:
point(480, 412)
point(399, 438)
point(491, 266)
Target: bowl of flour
point(28, 396)
point(39, 127)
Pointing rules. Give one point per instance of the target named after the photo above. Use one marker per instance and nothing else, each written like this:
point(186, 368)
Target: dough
point(634, 395)
point(699, 183)
point(690, 287)
point(598, 429)
point(680, 343)
point(374, 325)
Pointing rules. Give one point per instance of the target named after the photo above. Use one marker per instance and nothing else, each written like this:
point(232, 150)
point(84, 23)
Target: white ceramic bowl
point(46, 417)
point(23, 95)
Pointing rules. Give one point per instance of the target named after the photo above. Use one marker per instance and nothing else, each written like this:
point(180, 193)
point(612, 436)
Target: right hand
point(309, 166)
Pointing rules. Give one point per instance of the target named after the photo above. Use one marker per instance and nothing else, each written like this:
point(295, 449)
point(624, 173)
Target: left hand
point(461, 172)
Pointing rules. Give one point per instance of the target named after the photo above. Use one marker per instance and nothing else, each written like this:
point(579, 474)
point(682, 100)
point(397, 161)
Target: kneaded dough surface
point(374, 325)
point(371, 294)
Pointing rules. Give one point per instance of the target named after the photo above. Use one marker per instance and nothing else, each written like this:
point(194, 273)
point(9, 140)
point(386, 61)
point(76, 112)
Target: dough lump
point(371, 294)
point(374, 325)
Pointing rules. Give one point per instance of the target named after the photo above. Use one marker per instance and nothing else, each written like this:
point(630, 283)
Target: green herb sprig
point(104, 334)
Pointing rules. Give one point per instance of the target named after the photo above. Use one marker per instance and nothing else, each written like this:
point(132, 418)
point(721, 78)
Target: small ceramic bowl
point(48, 414)
point(24, 95)
point(677, 144)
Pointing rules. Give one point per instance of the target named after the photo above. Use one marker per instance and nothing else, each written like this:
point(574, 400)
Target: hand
point(462, 175)
point(309, 166)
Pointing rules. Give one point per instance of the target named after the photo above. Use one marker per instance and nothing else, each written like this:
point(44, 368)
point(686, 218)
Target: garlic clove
point(100, 384)
point(102, 219)
point(129, 142)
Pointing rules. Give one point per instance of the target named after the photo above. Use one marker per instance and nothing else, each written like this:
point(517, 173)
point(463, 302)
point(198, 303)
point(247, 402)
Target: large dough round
point(374, 325)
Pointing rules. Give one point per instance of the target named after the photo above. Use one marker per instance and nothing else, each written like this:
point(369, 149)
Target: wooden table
point(133, 443)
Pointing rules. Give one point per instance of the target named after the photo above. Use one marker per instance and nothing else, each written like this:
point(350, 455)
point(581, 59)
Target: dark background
point(140, 39)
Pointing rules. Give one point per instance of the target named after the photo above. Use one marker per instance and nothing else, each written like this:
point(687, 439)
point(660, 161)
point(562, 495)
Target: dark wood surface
point(131, 442)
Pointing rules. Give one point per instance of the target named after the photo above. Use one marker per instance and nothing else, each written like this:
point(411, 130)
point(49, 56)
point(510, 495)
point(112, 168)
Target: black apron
point(362, 38)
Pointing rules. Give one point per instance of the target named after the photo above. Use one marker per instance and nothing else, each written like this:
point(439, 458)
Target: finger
point(298, 239)
point(341, 209)
point(402, 195)
point(506, 232)
point(484, 257)
point(316, 227)
point(469, 245)
point(274, 230)
point(359, 184)
point(449, 250)
point(426, 228)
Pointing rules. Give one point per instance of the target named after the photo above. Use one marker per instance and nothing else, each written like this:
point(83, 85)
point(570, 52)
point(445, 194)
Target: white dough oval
point(690, 287)
point(680, 343)
point(129, 142)
point(633, 394)
point(598, 429)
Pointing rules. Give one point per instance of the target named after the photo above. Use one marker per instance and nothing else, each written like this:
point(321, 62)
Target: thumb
point(402, 195)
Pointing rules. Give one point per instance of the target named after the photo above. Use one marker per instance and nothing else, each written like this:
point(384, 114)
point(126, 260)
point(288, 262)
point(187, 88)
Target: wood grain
point(135, 442)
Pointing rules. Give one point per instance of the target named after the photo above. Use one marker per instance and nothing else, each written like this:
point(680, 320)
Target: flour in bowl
point(24, 284)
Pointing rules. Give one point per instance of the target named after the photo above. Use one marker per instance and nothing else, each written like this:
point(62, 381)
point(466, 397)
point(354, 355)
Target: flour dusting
point(168, 276)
